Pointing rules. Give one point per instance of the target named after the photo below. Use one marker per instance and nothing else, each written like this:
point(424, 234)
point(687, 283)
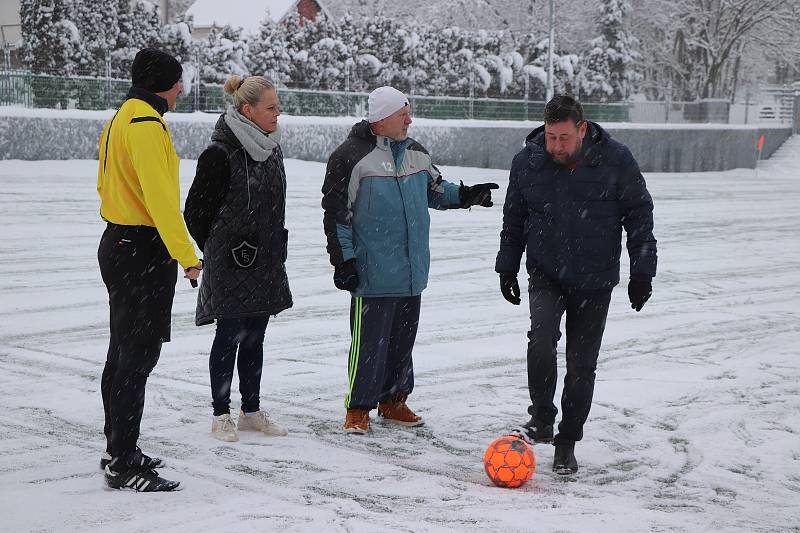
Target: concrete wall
point(660, 149)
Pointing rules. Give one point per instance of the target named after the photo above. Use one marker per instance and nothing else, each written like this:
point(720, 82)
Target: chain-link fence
point(84, 92)
point(22, 88)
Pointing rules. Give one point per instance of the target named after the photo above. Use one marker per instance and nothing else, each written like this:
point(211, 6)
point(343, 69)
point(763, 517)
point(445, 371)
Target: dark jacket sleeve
point(207, 193)
point(636, 209)
point(337, 209)
point(515, 212)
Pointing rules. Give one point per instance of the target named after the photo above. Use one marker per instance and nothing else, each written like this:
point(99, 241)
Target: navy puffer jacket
point(570, 221)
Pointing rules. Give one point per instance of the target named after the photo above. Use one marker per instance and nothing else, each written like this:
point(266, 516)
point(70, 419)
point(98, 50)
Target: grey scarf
point(255, 140)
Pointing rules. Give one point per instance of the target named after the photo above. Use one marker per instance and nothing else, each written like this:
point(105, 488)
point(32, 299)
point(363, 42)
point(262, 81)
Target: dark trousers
point(380, 366)
point(586, 320)
point(140, 277)
point(246, 334)
point(122, 386)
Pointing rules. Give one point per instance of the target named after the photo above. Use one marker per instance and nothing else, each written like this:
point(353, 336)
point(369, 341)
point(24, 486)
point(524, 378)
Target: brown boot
point(397, 411)
point(356, 422)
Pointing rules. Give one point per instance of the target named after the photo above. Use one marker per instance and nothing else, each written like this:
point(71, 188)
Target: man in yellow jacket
point(140, 200)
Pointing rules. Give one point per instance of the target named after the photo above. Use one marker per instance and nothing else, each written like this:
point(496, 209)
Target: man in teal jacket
point(378, 187)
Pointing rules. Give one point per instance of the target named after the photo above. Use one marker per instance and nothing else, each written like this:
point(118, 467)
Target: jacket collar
point(363, 131)
point(155, 101)
point(384, 143)
point(222, 133)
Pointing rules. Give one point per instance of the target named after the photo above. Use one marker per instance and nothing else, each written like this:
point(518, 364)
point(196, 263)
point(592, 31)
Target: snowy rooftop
point(246, 14)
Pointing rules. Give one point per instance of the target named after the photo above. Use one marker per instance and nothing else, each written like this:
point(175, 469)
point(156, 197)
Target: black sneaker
point(564, 462)
point(139, 479)
point(149, 462)
point(535, 432)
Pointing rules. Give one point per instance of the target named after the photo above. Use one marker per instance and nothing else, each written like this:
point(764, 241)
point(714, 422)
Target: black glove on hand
point(510, 288)
point(345, 276)
point(478, 194)
point(639, 291)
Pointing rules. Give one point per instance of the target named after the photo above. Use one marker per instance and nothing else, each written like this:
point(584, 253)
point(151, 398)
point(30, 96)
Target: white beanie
point(384, 101)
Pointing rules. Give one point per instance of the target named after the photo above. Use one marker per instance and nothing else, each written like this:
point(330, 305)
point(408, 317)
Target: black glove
point(510, 288)
point(345, 276)
point(639, 291)
point(478, 194)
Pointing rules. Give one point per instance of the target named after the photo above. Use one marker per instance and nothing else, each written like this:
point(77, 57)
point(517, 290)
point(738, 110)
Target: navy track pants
point(380, 366)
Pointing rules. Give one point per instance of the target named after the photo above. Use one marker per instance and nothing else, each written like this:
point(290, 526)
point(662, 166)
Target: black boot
point(564, 462)
point(534, 431)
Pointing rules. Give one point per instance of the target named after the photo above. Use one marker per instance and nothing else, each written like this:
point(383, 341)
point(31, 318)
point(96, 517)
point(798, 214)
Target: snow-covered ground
point(695, 424)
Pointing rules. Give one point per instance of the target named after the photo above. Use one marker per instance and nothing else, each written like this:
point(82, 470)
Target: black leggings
point(246, 334)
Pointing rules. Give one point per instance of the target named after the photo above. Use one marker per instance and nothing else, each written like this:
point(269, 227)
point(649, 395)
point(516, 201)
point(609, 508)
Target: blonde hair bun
point(233, 83)
point(246, 90)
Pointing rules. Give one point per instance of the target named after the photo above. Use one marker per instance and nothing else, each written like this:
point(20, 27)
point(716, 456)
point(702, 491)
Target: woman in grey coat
point(235, 211)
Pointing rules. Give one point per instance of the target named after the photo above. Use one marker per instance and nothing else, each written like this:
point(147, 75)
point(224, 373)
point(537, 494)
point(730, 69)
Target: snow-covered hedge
point(49, 134)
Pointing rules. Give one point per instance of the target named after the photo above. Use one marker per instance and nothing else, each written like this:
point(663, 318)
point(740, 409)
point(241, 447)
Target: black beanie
point(154, 70)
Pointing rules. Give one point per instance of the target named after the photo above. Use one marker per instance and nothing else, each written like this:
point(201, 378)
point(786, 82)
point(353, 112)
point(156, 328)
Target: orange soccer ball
point(509, 462)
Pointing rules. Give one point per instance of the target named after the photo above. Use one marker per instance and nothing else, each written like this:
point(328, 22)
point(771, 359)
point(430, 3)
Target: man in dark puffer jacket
point(571, 191)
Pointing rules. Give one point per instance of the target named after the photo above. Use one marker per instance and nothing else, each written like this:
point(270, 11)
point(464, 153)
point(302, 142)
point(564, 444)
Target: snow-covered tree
point(222, 54)
point(701, 48)
point(362, 63)
point(329, 59)
point(491, 56)
point(139, 27)
point(267, 55)
point(296, 38)
point(453, 70)
point(123, 53)
point(609, 68)
point(176, 38)
point(98, 30)
point(51, 40)
point(534, 50)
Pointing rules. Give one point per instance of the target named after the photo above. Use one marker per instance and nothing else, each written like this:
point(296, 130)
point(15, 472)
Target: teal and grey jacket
point(376, 197)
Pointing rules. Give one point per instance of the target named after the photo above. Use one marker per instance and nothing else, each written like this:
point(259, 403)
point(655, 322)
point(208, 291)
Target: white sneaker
point(259, 421)
point(222, 428)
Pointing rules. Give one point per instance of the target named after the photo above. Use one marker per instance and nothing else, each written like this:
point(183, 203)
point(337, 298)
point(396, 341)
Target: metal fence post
point(668, 102)
point(471, 94)
point(348, 98)
point(108, 79)
point(527, 92)
point(747, 107)
point(28, 86)
point(196, 103)
point(413, 82)
point(796, 114)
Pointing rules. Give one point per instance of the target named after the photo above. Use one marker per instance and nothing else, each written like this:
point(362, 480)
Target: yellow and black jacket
point(137, 178)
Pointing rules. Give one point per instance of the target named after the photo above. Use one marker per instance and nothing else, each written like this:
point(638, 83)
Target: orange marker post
point(759, 149)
